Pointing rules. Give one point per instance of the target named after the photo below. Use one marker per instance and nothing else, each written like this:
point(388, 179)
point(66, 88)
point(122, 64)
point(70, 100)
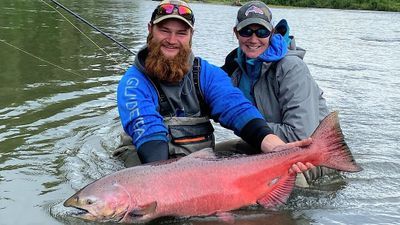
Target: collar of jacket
point(277, 49)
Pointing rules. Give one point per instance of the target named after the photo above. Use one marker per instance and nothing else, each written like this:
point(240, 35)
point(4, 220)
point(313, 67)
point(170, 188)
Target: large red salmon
point(201, 184)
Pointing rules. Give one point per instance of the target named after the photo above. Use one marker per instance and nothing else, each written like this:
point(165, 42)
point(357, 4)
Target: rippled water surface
point(59, 122)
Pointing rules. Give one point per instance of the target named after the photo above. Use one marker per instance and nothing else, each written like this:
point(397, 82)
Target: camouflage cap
point(158, 14)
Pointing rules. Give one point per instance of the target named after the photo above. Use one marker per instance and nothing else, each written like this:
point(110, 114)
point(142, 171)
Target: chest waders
point(188, 133)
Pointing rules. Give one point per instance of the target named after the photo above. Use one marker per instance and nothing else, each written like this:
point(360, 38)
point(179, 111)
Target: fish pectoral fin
point(279, 192)
point(143, 210)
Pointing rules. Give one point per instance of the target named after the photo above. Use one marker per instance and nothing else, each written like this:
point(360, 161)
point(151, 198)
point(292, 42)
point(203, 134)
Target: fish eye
point(89, 201)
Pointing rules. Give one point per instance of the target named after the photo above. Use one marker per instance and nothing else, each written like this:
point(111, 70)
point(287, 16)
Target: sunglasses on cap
point(168, 9)
point(261, 32)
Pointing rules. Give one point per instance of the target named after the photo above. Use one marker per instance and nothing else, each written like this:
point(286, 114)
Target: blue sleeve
point(228, 105)
point(137, 102)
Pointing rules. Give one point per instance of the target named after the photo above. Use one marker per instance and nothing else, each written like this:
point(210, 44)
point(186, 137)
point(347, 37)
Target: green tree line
point(379, 5)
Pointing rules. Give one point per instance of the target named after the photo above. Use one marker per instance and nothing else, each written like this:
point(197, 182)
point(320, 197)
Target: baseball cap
point(254, 12)
point(177, 9)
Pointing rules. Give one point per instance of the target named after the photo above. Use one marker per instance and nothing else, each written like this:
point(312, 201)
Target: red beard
point(167, 69)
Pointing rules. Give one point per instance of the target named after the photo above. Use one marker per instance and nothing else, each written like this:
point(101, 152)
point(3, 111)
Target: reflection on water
point(58, 126)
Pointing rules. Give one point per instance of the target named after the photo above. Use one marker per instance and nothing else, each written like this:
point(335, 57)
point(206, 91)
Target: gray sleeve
point(300, 100)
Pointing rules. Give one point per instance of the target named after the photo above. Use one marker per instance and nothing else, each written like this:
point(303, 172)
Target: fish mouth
point(87, 215)
point(81, 213)
point(76, 209)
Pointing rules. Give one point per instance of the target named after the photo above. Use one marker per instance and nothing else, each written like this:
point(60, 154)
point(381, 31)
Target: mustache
point(169, 45)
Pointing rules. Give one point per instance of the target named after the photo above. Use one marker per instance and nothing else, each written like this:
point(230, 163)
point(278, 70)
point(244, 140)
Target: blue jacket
point(138, 101)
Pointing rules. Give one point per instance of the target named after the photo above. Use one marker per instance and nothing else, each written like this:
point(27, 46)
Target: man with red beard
point(166, 99)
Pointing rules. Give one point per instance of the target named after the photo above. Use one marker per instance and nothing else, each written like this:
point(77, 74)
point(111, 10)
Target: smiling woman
point(253, 45)
point(275, 79)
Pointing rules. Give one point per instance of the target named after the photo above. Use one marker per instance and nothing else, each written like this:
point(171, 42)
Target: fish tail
point(330, 145)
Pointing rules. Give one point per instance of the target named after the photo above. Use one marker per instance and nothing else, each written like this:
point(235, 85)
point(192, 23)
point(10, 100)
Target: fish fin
point(332, 148)
point(206, 153)
point(143, 210)
point(279, 192)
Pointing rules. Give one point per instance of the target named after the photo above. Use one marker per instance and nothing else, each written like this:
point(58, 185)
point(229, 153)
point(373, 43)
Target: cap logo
point(253, 9)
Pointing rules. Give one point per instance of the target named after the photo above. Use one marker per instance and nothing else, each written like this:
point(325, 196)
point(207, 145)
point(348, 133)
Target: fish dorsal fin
point(143, 210)
point(281, 187)
point(206, 153)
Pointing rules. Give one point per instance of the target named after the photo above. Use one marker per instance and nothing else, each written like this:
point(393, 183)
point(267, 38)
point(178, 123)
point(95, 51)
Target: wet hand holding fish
point(201, 184)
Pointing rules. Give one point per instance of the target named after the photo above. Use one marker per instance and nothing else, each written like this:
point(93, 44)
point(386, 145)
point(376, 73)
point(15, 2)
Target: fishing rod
point(92, 26)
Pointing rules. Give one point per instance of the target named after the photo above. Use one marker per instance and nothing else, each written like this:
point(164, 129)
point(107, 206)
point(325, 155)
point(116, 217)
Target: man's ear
point(149, 26)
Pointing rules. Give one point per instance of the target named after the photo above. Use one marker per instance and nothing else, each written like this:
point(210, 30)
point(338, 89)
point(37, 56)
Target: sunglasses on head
point(168, 9)
point(261, 32)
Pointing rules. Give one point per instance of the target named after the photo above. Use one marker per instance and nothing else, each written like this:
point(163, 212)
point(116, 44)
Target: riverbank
point(375, 5)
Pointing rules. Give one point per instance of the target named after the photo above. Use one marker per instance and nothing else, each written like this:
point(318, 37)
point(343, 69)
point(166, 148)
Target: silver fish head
point(97, 202)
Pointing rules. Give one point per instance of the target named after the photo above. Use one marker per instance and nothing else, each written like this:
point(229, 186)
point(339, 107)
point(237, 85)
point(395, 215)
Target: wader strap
point(165, 106)
point(196, 80)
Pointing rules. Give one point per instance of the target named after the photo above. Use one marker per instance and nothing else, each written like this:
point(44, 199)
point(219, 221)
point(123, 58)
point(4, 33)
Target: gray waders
point(186, 135)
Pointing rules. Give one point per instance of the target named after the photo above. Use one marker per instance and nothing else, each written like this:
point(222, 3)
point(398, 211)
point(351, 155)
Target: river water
point(59, 122)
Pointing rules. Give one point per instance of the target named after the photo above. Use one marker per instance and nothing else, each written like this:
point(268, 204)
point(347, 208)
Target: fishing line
point(43, 60)
point(91, 25)
point(101, 49)
point(48, 62)
point(53, 64)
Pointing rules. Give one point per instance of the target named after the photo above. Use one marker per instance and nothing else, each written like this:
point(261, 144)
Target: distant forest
point(380, 5)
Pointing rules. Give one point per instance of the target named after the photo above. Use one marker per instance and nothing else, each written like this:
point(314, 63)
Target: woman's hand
point(272, 143)
point(300, 167)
